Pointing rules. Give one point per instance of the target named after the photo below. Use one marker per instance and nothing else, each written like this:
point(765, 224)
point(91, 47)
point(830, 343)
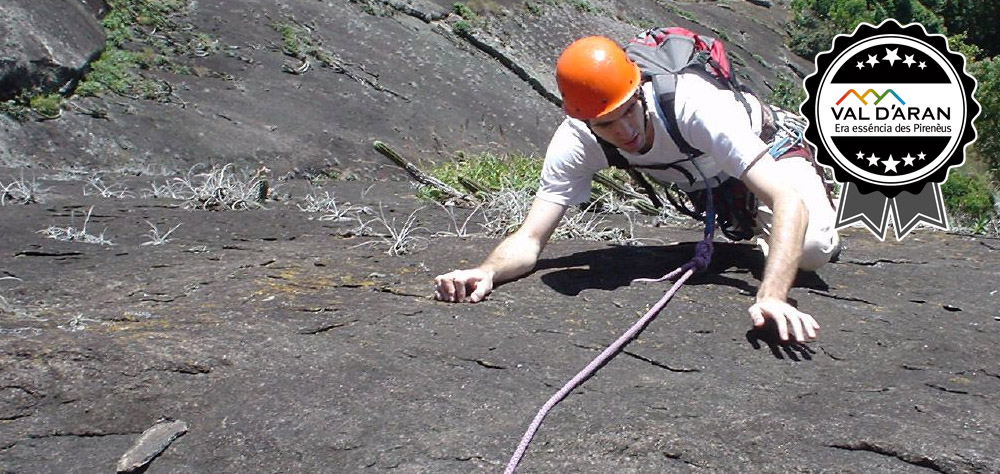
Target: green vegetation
point(583, 5)
point(16, 109)
point(969, 198)
point(533, 8)
point(987, 73)
point(47, 105)
point(462, 27)
point(788, 95)
point(291, 44)
point(464, 10)
point(486, 173)
point(114, 71)
point(816, 22)
point(44, 106)
point(132, 46)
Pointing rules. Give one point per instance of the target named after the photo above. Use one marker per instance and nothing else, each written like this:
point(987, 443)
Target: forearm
point(513, 258)
point(785, 248)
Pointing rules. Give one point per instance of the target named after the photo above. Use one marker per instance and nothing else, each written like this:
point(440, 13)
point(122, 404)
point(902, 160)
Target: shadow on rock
point(779, 349)
point(616, 266)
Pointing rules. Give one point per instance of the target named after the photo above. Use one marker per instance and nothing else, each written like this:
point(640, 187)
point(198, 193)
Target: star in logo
point(890, 164)
point(891, 56)
point(908, 160)
point(873, 60)
point(861, 65)
point(873, 160)
point(909, 60)
point(921, 155)
point(860, 156)
point(922, 65)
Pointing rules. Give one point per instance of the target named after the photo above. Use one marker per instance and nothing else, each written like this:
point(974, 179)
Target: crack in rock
point(660, 364)
point(325, 327)
point(484, 363)
point(680, 457)
point(907, 457)
point(511, 65)
point(86, 434)
point(39, 253)
point(952, 390)
point(410, 10)
point(842, 298)
point(830, 354)
point(876, 262)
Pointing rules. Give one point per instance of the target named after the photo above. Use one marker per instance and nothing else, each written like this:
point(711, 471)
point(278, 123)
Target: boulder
point(47, 44)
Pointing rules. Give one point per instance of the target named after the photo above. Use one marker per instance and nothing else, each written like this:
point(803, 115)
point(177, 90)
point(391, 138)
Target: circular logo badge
point(890, 109)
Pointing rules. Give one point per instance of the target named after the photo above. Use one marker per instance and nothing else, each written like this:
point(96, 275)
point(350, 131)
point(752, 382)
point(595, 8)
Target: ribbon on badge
point(907, 210)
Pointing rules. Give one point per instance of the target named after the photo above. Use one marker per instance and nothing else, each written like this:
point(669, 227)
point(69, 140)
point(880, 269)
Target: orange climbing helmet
point(595, 77)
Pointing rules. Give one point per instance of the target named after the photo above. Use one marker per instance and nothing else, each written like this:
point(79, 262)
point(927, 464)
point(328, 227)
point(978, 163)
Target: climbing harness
point(697, 264)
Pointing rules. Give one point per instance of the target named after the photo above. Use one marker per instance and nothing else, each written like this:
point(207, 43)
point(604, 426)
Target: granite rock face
point(47, 44)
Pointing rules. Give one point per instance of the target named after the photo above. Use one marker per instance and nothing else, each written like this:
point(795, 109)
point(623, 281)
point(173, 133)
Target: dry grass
point(73, 234)
point(21, 191)
point(399, 239)
point(217, 188)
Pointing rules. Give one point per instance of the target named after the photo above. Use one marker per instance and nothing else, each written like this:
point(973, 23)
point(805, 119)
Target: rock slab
point(150, 444)
point(47, 44)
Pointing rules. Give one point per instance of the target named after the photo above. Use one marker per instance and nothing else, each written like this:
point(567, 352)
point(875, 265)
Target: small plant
point(15, 109)
point(218, 188)
point(77, 323)
point(291, 44)
point(158, 238)
point(460, 230)
point(400, 240)
point(21, 191)
point(115, 72)
point(95, 185)
point(463, 10)
point(47, 106)
point(462, 27)
point(589, 225)
point(583, 5)
point(504, 210)
point(327, 205)
point(72, 234)
point(44, 106)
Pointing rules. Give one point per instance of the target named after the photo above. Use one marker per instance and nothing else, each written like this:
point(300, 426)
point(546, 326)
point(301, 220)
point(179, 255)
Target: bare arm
point(514, 257)
point(766, 180)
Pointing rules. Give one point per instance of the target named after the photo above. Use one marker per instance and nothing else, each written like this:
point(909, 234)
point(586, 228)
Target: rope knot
point(702, 257)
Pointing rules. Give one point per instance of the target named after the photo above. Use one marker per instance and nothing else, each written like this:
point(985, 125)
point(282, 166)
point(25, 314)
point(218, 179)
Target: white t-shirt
point(709, 118)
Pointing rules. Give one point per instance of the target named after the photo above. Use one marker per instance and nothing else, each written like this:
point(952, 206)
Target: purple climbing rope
point(698, 263)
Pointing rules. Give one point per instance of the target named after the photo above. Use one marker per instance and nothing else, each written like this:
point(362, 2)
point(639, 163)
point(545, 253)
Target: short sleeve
point(712, 120)
point(572, 158)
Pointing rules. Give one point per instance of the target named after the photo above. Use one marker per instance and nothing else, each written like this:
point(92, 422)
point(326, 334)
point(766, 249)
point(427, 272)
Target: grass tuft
point(217, 188)
point(398, 239)
point(158, 238)
point(21, 191)
point(72, 234)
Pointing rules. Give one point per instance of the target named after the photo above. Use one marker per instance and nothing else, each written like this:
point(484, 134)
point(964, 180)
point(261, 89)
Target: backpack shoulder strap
point(617, 160)
point(664, 90)
point(614, 157)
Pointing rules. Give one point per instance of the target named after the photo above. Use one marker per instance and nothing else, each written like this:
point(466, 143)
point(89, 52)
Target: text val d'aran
point(894, 113)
